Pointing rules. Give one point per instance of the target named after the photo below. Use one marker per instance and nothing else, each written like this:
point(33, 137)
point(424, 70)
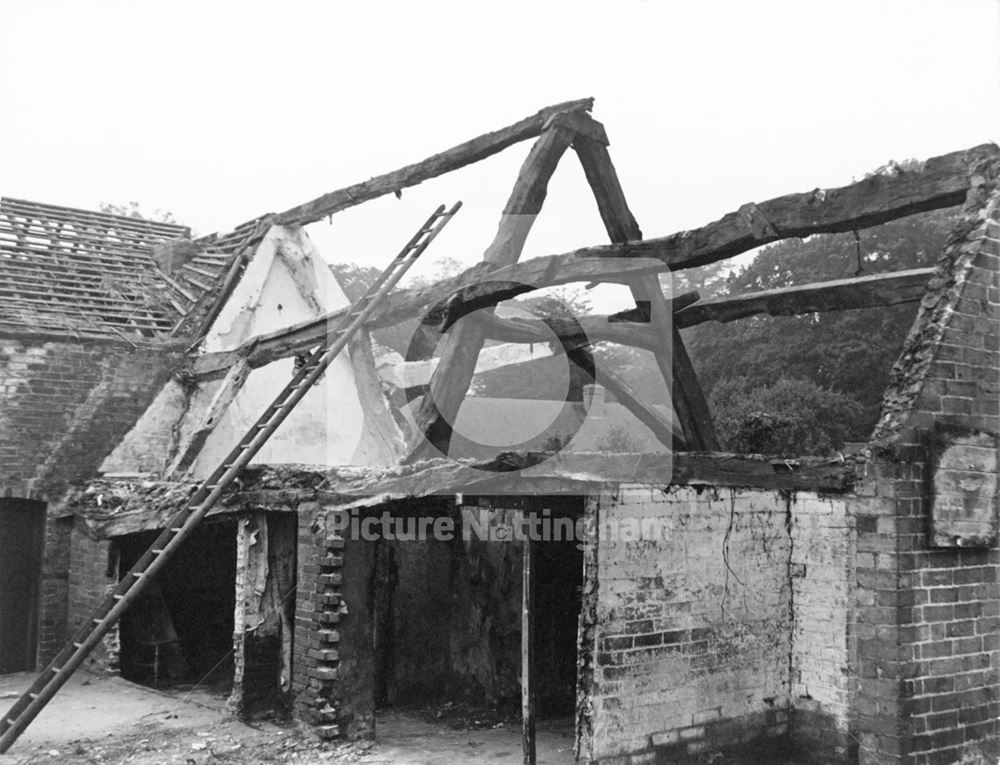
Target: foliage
point(788, 418)
point(354, 279)
point(846, 352)
point(134, 210)
point(618, 440)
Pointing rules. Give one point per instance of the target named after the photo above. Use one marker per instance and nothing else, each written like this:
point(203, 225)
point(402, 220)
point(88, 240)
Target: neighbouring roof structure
point(65, 271)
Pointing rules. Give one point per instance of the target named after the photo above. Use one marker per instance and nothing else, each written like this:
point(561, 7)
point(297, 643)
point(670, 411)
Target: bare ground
point(104, 720)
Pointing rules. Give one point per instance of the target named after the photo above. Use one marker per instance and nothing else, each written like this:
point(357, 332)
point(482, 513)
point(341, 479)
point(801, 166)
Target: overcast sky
point(221, 110)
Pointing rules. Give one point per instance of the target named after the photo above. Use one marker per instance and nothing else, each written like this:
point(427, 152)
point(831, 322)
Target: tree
point(354, 279)
point(788, 418)
point(845, 352)
point(134, 210)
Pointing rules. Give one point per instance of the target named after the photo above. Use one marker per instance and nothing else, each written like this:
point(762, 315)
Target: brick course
point(929, 663)
point(63, 407)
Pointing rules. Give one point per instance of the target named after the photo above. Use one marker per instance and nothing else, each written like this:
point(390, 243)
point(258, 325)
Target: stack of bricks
point(317, 613)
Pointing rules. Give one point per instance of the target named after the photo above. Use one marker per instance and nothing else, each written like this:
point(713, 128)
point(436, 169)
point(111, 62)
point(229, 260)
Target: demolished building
point(845, 607)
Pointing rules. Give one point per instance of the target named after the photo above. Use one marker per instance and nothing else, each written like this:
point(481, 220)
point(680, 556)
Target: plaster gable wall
point(286, 281)
point(327, 424)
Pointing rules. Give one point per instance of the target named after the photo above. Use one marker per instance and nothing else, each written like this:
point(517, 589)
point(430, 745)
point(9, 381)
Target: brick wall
point(822, 561)
point(690, 653)
point(54, 591)
point(88, 586)
point(64, 406)
point(326, 692)
point(929, 661)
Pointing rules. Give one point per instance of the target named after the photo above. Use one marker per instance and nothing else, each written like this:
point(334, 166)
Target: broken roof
point(85, 274)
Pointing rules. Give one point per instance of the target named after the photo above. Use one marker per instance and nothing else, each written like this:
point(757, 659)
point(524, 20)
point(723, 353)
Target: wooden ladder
point(58, 671)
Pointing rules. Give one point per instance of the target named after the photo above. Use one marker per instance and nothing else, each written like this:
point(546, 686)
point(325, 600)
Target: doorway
point(22, 536)
point(181, 630)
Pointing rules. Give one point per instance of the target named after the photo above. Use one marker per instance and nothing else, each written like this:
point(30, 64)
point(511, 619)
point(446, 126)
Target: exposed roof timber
point(460, 349)
point(687, 396)
point(478, 286)
point(589, 469)
point(578, 332)
point(937, 183)
point(842, 294)
point(147, 506)
point(452, 159)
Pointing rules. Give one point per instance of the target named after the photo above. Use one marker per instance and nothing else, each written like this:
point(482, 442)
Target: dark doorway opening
point(446, 613)
point(22, 537)
point(558, 597)
point(180, 631)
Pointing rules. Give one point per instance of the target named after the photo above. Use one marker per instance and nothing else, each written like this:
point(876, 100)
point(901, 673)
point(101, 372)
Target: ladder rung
point(203, 499)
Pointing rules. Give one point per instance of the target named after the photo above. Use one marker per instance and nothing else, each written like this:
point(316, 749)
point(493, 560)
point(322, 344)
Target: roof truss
point(937, 183)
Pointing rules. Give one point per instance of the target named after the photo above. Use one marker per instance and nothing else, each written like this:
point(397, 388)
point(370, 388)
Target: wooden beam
point(934, 184)
point(451, 379)
point(527, 653)
point(689, 402)
point(839, 295)
point(476, 287)
point(584, 331)
point(300, 268)
point(230, 387)
point(438, 164)
point(538, 473)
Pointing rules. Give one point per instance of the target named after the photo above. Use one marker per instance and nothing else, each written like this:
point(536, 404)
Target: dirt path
point(105, 720)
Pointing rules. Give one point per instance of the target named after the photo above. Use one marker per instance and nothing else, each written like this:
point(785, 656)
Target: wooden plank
point(528, 653)
point(438, 164)
point(479, 286)
point(584, 331)
point(689, 402)
point(937, 183)
point(141, 226)
point(594, 469)
point(839, 295)
point(300, 268)
point(188, 451)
